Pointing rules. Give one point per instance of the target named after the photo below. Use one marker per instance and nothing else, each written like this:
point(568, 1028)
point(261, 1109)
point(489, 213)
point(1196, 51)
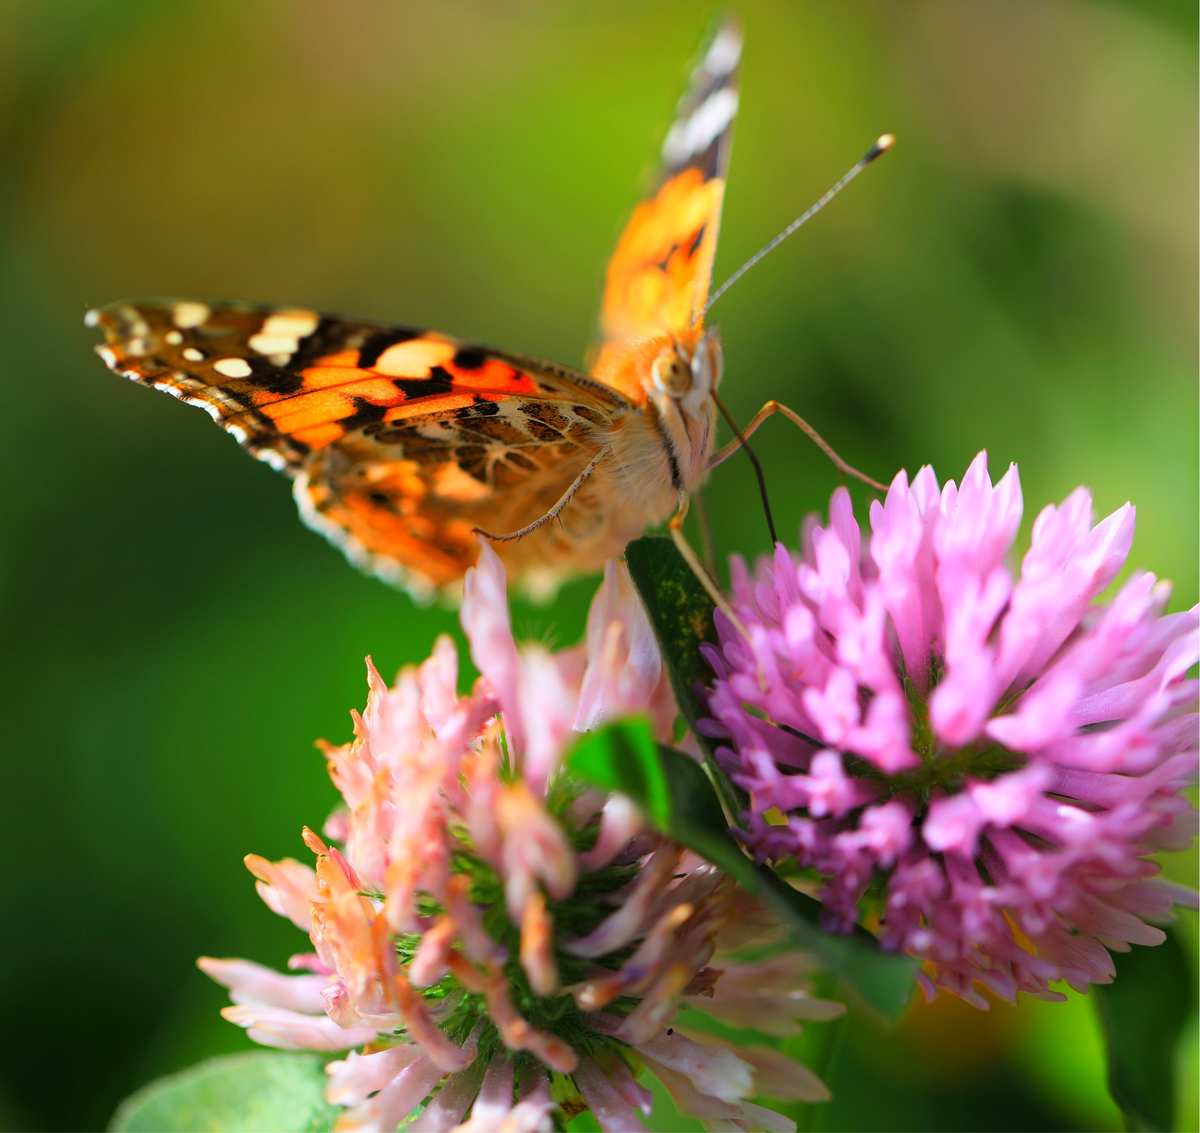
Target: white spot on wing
point(290, 324)
point(281, 332)
point(191, 354)
point(695, 133)
point(271, 458)
point(724, 52)
point(173, 337)
point(212, 410)
point(188, 314)
point(265, 343)
point(233, 367)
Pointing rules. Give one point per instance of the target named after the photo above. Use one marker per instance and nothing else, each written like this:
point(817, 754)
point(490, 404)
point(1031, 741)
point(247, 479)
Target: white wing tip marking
point(724, 52)
point(695, 133)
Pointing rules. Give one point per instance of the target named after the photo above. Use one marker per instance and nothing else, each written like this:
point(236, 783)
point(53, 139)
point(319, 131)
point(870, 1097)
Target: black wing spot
point(546, 423)
point(274, 379)
point(365, 413)
point(375, 344)
point(469, 358)
point(589, 415)
point(326, 337)
point(520, 460)
point(472, 459)
point(439, 381)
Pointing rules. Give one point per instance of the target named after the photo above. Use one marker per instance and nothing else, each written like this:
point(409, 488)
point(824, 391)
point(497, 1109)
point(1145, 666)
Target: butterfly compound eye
point(671, 373)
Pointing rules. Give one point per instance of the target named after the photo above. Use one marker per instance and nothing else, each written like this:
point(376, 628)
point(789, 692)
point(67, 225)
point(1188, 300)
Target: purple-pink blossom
point(480, 922)
point(975, 759)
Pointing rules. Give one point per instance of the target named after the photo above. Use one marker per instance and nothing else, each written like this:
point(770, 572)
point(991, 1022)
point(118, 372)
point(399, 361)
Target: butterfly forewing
point(659, 275)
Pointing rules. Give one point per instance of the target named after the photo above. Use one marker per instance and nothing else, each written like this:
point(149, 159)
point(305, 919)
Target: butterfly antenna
point(882, 144)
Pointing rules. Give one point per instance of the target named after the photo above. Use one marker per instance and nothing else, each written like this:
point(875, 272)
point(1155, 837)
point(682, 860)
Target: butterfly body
point(404, 444)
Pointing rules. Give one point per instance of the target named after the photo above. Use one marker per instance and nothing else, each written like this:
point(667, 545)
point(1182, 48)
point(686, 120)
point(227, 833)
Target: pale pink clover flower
point(980, 760)
point(487, 923)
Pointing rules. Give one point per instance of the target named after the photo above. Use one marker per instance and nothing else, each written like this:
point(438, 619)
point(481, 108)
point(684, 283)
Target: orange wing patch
point(659, 273)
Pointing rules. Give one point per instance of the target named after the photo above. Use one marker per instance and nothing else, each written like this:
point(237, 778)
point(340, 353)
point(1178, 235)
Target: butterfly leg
point(688, 553)
point(707, 548)
point(555, 508)
point(770, 409)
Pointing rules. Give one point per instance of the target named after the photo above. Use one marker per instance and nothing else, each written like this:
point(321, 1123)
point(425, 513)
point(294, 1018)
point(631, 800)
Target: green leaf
point(1143, 1015)
point(883, 980)
point(670, 788)
point(681, 613)
point(623, 756)
point(240, 1093)
point(678, 799)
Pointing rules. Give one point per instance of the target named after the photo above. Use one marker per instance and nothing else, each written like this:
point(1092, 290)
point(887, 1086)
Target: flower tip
point(899, 483)
point(314, 841)
point(488, 563)
point(257, 865)
point(374, 681)
point(978, 466)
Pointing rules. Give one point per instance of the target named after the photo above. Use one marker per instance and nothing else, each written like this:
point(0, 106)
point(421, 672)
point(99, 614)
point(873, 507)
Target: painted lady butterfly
point(404, 443)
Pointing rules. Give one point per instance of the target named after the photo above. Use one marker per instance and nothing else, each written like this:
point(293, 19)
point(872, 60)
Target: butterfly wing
point(658, 278)
point(400, 441)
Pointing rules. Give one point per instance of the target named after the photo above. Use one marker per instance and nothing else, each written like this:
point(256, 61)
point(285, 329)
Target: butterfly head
point(685, 370)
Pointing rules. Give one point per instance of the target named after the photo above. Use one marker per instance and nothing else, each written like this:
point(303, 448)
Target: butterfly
point(405, 445)
point(402, 443)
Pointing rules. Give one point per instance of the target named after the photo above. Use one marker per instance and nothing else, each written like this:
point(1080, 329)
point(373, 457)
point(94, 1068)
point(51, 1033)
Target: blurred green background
point(1020, 274)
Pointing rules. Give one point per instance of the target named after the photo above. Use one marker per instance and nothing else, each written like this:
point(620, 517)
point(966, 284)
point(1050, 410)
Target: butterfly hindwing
point(404, 501)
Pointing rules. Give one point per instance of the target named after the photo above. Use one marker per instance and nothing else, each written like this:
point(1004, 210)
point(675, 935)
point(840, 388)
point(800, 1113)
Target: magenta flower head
point(494, 946)
point(974, 760)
